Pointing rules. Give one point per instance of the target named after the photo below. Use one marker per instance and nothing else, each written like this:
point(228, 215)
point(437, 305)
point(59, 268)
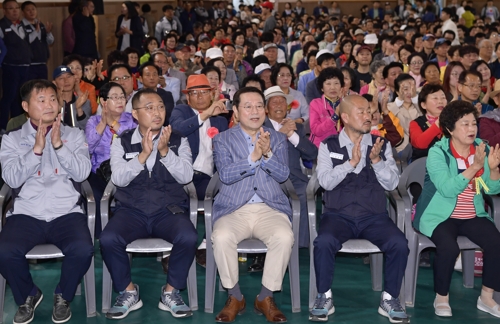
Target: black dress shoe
point(164, 264)
point(258, 263)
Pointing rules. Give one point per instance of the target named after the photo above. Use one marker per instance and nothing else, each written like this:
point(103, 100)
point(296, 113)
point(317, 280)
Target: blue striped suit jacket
point(240, 182)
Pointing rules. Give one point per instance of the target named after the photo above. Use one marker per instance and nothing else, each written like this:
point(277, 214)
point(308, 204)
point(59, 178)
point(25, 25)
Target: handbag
point(104, 171)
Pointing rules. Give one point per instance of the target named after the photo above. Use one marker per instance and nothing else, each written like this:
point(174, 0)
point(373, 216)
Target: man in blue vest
point(149, 164)
point(16, 63)
point(356, 168)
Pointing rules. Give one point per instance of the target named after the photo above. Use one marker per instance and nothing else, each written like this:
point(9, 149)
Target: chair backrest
point(413, 173)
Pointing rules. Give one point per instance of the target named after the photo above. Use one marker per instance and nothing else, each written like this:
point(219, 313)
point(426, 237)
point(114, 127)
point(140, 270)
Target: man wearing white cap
point(268, 38)
point(299, 147)
point(324, 59)
point(263, 70)
point(271, 52)
point(214, 53)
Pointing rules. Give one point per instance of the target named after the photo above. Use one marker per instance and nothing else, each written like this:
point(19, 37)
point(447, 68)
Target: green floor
point(355, 301)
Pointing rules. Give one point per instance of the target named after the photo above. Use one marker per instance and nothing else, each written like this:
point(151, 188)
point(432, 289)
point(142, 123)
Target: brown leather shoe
point(269, 309)
point(232, 308)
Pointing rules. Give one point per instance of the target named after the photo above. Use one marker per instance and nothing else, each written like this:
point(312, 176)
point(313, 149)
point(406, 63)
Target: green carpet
point(354, 300)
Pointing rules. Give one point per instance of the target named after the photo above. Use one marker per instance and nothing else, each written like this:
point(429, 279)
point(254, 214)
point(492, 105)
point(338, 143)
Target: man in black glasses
point(150, 164)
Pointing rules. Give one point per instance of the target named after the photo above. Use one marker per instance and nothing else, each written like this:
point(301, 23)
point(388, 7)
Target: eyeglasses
point(472, 86)
point(75, 68)
point(249, 108)
point(195, 93)
point(117, 98)
point(149, 109)
point(417, 63)
point(123, 78)
point(281, 75)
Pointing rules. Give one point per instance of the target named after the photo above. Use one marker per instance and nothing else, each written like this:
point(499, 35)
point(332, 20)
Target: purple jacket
point(100, 145)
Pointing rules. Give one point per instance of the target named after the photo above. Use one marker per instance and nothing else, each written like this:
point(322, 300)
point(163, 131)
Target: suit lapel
point(239, 140)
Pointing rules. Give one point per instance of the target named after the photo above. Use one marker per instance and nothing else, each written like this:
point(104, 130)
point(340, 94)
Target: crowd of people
point(256, 96)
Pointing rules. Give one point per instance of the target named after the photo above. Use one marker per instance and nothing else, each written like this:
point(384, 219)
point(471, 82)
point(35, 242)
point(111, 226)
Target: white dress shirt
point(205, 160)
point(294, 139)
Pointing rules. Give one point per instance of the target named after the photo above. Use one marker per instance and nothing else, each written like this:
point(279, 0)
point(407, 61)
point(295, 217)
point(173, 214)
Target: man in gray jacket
point(42, 161)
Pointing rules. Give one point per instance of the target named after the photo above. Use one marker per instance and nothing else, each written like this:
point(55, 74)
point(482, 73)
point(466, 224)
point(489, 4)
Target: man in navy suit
point(252, 161)
point(299, 147)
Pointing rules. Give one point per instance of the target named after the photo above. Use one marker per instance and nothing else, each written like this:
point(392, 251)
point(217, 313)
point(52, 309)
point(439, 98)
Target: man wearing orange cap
point(199, 122)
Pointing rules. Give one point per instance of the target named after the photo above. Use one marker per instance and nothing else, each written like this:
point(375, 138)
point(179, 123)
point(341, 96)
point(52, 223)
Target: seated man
point(355, 168)
point(299, 147)
point(42, 160)
point(149, 166)
point(252, 162)
point(198, 120)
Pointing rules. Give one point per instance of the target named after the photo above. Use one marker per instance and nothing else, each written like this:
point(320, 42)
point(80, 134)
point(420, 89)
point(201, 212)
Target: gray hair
point(375, 65)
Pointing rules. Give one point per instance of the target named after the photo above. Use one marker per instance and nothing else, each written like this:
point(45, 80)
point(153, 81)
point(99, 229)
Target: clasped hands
point(262, 146)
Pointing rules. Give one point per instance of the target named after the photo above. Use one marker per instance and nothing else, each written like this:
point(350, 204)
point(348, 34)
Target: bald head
point(350, 102)
point(355, 113)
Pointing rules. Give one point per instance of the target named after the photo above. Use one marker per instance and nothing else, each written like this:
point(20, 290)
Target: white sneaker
point(442, 309)
point(495, 310)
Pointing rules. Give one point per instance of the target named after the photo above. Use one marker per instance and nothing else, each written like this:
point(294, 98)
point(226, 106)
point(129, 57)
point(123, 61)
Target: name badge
point(132, 155)
point(337, 156)
point(8, 29)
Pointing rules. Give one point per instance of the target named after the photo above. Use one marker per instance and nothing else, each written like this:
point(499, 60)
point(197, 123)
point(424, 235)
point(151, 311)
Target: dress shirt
point(294, 139)
point(179, 166)
point(329, 177)
point(205, 160)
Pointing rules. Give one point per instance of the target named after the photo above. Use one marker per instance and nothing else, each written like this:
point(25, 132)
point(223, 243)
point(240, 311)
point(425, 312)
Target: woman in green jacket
point(459, 167)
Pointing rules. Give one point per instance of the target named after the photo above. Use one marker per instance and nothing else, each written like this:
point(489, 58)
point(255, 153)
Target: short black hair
point(37, 85)
point(465, 73)
point(311, 53)
point(116, 67)
point(468, 49)
point(267, 37)
point(130, 50)
point(308, 45)
point(400, 79)
point(453, 49)
point(237, 95)
point(227, 45)
point(448, 11)
point(425, 92)
point(104, 90)
point(276, 70)
point(327, 74)
point(167, 7)
point(477, 63)
point(452, 113)
point(255, 78)
point(146, 8)
point(259, 60)
point(148, 41)
point(324, 57)
point(385, 72)
point(137, 97)
point(417, 54)
point(426, 65)
point(73, 57)
point(211, 68)
point(27, 3)
point(449, 31)
point(145, 65)
point(398, 38)
point(116, 56)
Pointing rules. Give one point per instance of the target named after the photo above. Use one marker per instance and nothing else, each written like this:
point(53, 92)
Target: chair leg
point(312, 279)
point(2, 296)
point(90, 298)
point(192, 287)
point(293, 273)
point(468, 258)
point(377, 270)
point(211, 272)
point(107, 289)
point(411, 272)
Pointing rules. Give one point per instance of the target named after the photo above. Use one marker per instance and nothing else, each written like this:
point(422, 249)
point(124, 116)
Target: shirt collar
point(29, 129)
point(344, 140)
point(137, 136)
point(400, 102)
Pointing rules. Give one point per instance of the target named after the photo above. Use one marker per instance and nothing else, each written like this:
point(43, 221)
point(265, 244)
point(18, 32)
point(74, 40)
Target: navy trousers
point(21, 233)
point(335, 229)
point(128, 225)
point(10, 105)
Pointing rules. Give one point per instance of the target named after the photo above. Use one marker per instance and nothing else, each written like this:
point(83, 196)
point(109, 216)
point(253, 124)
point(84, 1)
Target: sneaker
point(391, 308)
point(61, 313)
point(26, 312)
point(173, 303)
point(323, 307)
point(126, 302)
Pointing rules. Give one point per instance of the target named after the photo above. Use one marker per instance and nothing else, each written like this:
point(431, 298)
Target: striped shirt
point(465, 209)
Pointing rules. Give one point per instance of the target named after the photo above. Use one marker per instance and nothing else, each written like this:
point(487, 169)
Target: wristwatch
point(268, 155)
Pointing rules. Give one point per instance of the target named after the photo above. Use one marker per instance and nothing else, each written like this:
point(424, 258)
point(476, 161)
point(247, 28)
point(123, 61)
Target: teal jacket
point(442, 186)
